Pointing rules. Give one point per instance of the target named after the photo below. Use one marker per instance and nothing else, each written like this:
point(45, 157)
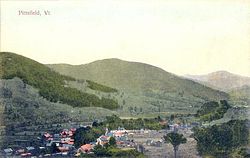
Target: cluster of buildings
point(23, 152)
point(120, 135)
point(59, 144)
point(63, 142)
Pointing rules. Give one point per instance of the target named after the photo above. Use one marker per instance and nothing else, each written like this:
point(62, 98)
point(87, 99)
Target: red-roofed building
point(47, 135)
point(70, 143)
point(118, 134)
point(63, 149)
point(73, 130)
point(26, 155)
point(103, 140)
point(86, 148)
point(50, 138)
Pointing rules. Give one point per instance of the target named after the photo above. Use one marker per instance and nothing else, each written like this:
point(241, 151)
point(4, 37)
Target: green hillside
point(52, 85)
point(241, 93)
point(24, 114)
point(145, 89)
point(133, 76)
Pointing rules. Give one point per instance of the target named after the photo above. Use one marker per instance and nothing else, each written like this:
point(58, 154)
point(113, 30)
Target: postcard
point(123, 78)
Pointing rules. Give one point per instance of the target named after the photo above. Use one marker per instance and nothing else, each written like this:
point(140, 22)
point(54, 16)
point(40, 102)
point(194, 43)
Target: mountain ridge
point(221, 80)
point(111, 63)
point(144, 86)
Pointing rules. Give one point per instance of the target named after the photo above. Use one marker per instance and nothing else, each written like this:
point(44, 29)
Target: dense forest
point(100, 87)
point(52, 85)
point(222, 140)
point(114, 122)
point(213, 110)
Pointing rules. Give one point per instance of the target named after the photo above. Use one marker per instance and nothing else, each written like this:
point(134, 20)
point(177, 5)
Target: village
point(150, 143)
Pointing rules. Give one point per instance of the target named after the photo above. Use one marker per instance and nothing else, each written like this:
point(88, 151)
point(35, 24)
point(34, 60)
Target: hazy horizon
point(194, 37)
point(148, 64)
point(183, 75)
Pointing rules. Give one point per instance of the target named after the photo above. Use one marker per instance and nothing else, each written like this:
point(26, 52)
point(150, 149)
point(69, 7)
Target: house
point(149, 142)
point(26, 154)
point(110, 134)
point(30, 148)
point(67, 146)
point(48, 144)
point(118, 133)
point(86, 148)
point(73, 130)
point(65, 153)
point(67, 141)
point(103, 140)
point(68, 133)
point(174, 127)
point(64, 133)
point(93, 143)
point(63, 149)
point(46, 135)
point(154, 143)
point(20, 151)
point(56, 136)
point(8, 151)
point(121, 138)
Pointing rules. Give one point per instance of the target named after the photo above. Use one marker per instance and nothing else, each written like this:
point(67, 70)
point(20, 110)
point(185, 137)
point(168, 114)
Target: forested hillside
point(25, 113)
point(145, 89)
point(213, 110)
point(133, 76)
point(52, 85)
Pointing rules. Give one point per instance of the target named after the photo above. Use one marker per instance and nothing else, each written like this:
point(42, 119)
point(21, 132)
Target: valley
point(37, 98)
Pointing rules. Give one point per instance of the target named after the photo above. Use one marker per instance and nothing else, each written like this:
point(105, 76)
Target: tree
point(175, 139)
point(135, 109)
point(221, 140)
point(172, 117)
point(95, 124)
point(100, 151)
point(140, 109)
point(84, 135)
point(112, 142)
